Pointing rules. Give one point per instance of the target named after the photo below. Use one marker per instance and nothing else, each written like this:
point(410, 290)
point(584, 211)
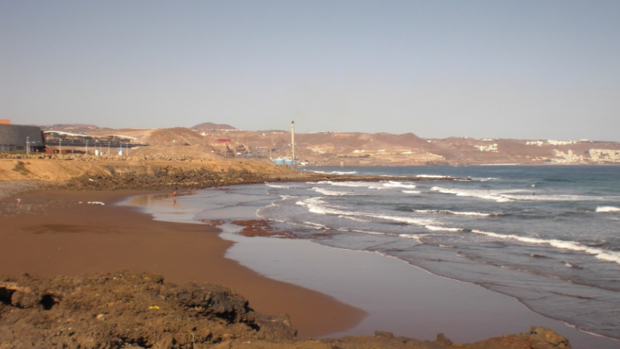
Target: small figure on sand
point(18, 201)
point(174, 193)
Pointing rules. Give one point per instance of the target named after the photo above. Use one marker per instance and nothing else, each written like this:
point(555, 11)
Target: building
point(17, 137)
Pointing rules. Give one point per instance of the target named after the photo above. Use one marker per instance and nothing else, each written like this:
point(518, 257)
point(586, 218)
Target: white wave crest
point(395, 184)
point(439, 228)
point(431, 176)
point(407, 220)
point(535, 197)
point(412, 192)
point(271, 185)
point(318, 206)
point(417, 237)
point(598, 253)
point(477, 214)
point(366, 232)
point(481, 194)
point(334, 172)
point(609, 257)
point(287, 197)
point(351, 184)
point(332, 192)
point(607, 209)
point(314, 225)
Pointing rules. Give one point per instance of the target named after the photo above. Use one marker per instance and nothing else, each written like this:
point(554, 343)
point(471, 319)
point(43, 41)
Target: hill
point(361, 149)
point(209, 126)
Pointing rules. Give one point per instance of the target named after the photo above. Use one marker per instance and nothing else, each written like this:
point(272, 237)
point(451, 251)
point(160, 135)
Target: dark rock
point(384, 334)
point(126, 309)
point(544, 338)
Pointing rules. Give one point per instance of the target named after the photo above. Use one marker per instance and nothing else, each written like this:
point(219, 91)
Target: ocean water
point(547, 236)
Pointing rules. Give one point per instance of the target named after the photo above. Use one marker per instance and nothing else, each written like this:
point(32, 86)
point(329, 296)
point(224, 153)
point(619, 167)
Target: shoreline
point(51, 233)
point(399, 297)
point(106, 238)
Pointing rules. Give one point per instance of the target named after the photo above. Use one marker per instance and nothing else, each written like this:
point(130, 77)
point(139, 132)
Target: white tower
point(293, 140)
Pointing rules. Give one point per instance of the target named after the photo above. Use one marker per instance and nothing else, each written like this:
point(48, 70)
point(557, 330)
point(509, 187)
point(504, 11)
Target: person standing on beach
point(18, 201)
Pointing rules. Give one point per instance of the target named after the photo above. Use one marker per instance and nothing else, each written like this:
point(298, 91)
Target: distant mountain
point(209, 126)
point(71, 128)
point(362, 149)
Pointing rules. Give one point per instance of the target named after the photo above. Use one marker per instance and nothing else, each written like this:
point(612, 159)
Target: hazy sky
point(498, 69)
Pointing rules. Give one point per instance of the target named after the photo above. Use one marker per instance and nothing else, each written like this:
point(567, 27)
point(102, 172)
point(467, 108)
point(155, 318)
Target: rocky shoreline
point(166, 177)
point(140, 310)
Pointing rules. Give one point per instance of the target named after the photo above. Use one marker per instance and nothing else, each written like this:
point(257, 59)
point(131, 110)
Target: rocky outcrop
point(161, 177)
point(124, 309)
point(537, 338)
point(140, 310)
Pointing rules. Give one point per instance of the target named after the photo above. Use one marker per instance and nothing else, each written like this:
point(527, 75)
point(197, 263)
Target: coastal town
point(209, 140)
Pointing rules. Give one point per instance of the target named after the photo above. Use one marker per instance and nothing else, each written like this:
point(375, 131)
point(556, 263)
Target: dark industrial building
point(17, 137)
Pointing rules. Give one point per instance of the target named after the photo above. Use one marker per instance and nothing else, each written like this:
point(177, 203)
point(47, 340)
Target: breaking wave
point(332, 192)
point(481, 194)
point(448, 212)
point(394, 184)
point(599, 253)
point(607, 209)
point(280, 186)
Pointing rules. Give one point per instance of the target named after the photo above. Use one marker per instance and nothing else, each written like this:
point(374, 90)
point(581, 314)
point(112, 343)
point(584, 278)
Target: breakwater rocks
point(139, 310)
point(163, 177)
point(166, 177)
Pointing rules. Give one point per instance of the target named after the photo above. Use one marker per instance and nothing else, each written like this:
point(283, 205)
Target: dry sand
point(60, 233)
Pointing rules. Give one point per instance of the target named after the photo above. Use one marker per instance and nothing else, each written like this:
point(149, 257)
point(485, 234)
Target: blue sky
point(486, 69)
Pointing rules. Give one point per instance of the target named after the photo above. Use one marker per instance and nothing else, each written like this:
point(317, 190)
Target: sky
point(539, 69)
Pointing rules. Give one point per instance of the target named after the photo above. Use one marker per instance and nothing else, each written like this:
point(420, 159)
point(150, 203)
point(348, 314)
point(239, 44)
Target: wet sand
point(327, 292)
point(398, 297)
point(52, 233)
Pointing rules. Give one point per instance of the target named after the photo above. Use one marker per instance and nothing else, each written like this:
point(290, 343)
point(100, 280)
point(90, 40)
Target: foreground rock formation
point(140, 310)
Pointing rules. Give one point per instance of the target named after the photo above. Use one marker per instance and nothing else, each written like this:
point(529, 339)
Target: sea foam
point(439, 228)
point(599, 253)
point(607, 209)
point(332, 192)
point(280, 186)
point(395, 184)
point(449, 212)
point(481, 194)
point(353, 184)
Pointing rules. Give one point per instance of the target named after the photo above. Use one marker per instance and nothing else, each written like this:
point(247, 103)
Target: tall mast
point(293, 140)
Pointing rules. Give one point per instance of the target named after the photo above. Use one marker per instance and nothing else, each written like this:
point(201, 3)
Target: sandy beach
point(396, 296)
point(324, 290)
point(60, 233)
point(399, 298)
